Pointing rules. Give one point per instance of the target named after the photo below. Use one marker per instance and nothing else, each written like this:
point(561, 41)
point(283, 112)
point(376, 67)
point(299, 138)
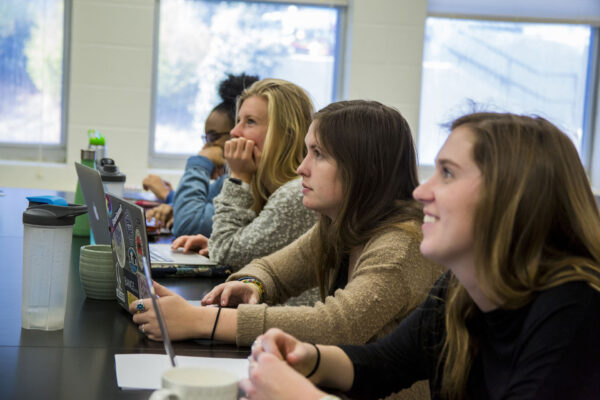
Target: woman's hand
point(231, 294)
point(272, 378)
point(181, 317)
point(299, 355)
point(157, 185)
point(243, 158)
point(162, 214)
point(215, 154)
point(197, 243)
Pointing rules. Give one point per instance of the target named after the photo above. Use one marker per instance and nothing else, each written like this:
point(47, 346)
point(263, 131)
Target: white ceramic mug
point(191, 383)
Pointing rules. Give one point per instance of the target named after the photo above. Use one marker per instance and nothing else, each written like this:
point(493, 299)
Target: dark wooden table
point(78, 361)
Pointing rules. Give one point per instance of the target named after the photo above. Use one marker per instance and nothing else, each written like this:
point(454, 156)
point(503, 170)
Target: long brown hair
point(289, 110)
point(375, 155)
point(536, 226)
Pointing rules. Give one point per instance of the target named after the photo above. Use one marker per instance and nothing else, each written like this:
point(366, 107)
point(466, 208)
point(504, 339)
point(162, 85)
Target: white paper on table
point(143, 371)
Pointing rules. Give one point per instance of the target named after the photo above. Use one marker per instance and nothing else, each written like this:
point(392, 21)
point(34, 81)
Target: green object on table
point(82, 222)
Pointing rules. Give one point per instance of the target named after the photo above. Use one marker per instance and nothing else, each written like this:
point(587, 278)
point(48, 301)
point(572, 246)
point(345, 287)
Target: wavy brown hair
point(289, 110)
point(377, 164)
point(536, 226)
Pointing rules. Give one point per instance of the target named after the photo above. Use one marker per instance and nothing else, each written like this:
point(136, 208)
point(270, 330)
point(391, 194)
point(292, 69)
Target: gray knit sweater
point(389, 280)
point(239, 235)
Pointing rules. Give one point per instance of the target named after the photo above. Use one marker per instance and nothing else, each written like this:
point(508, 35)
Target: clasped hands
point(278, 365)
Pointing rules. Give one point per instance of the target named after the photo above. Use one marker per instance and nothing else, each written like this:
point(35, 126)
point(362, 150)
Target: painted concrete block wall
point(111, 73)
point(386, 52)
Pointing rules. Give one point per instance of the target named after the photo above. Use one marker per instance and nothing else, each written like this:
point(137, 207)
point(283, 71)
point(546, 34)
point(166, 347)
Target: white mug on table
point(190, 383)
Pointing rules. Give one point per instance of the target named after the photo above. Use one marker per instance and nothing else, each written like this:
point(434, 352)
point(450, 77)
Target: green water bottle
point(82, 222)
point(97, 143)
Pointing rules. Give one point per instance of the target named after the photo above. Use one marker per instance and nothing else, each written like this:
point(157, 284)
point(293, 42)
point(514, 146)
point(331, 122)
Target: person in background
point(510, 213)
point(259, 209)
point(363, 254)
point(195, 187)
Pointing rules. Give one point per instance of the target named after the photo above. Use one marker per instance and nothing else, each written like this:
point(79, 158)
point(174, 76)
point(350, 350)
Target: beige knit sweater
point(389, 280)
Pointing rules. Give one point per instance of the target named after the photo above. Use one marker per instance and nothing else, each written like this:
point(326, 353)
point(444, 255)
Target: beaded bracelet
point(253, 281)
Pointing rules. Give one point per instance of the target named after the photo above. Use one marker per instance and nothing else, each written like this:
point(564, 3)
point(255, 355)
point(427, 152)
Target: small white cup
point(191, 383)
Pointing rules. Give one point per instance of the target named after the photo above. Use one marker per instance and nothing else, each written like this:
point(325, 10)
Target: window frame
point(41, 152)
point(590, 144)
point(177, 161)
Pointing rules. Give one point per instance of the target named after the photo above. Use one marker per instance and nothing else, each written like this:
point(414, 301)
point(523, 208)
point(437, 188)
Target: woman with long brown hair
point(363, 253)
point(510, 213)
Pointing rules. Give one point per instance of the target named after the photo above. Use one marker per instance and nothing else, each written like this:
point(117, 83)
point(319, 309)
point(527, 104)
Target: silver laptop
point(160, 253)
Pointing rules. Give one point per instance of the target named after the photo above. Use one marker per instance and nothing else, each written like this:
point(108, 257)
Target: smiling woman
point(510, 213)
point(449, 198)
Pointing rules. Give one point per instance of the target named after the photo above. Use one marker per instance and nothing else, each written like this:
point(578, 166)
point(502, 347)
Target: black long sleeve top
point(548, 349)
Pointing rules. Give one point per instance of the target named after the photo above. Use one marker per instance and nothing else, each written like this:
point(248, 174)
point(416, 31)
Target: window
point(202, 40)
point(31, 75)
point(527, 68)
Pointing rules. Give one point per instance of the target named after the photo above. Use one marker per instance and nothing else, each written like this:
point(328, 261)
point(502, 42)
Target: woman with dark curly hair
point(190, 209)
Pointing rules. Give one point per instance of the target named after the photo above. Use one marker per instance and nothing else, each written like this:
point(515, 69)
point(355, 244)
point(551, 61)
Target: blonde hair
point(289, 110)
point(536, 226)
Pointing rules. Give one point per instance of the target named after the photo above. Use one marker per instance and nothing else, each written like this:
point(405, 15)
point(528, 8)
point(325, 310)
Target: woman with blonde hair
point(259, 209)
point(190, 209)
point(510, 213)
point(363, 254)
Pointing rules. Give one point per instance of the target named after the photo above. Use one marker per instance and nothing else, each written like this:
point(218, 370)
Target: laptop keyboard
point(156, 256)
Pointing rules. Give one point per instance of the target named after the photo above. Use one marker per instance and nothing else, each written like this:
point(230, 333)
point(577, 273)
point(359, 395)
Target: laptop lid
point(90, 182)
point(129, 245)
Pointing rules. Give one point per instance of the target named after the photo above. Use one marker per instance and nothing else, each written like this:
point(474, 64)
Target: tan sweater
point(389, 280)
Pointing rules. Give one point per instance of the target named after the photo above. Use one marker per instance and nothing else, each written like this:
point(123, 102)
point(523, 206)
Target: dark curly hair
point(229, 90)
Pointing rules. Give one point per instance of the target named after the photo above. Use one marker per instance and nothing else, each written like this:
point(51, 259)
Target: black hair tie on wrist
point(212, 335)
point(317, 364)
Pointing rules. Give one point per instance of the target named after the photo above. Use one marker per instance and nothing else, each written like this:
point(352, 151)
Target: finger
point(204, 252)
point(227, 148)
point(270, 345)
point(225, 294)
point(300, 353)
point(215, 294)
point(248, 150)
point(143, 318)
point(247, 387)
point(187, 245)
point(253, 298)
point(242, 149)
point(257, 348)
point(137, 307)
point(209, 297)
point(177, 242)
point(161, 290)
point(155, 337)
